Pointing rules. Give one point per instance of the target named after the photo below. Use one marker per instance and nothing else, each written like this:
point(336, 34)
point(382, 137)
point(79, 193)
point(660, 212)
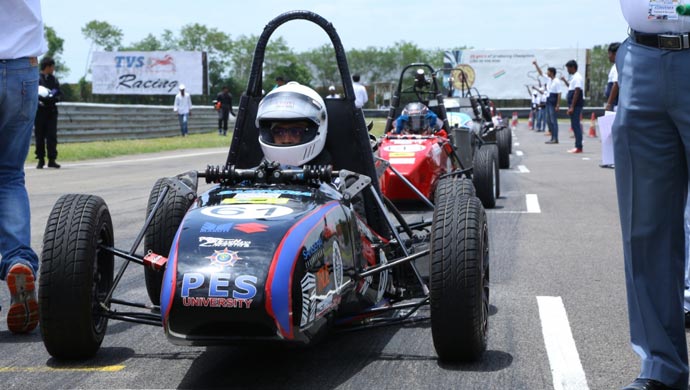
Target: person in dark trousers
point(225, 100)
point(45, 129)
point(576, 101)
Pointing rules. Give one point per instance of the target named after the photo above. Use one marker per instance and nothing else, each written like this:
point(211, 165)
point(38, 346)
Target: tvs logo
point(252, 227)
point(224, 258)
point(166, 62)
point(209, 227)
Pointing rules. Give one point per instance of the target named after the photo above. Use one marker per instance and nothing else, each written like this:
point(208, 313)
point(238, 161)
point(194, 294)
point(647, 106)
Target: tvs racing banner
point(504, 74)
point(147, 73)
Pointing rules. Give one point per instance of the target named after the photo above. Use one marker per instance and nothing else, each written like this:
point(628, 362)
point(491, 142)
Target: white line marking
point(566, 367)
point(519, 153)
point(522, 169)
point(110, 162)
point(517, 144)
point(586, 158)
point(532, 203)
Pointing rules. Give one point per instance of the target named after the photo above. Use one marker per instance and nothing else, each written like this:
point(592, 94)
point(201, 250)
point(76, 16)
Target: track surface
point(570, 249)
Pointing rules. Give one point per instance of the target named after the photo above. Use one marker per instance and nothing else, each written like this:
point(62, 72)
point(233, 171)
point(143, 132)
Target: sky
point(430, 24)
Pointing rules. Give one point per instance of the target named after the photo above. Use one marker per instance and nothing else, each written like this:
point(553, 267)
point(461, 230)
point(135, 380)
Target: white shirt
point(183, 104)
point(554, 86)
point(636, 13)
point(613, 74)
point(576, 81)
point(21, 29)
point(361, 96)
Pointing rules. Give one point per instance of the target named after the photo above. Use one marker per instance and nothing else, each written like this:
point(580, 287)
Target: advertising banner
point(505, 74)
point(147, 73)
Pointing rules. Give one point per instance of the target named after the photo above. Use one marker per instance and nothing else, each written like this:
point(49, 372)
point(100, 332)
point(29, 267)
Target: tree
point(149, 43)
point(102, 34)
point(322, 62)
point(216, 44)
point(597, 73)
point(55, 48)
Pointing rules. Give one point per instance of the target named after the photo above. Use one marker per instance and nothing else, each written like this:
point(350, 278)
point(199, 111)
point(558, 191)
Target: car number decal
point(404, 148)
point(247, 211)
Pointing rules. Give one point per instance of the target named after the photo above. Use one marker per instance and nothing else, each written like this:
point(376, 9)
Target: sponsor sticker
point(337, 265)
point(308, 284)
point(209, 227)
point(251, 227)
point(224, 258)
point(247, 211)
point(400, 154)
point(236, 200)
point(402, 161)
point(220, 293)
point(313, 254)
point(216, 242)
point(410, 148)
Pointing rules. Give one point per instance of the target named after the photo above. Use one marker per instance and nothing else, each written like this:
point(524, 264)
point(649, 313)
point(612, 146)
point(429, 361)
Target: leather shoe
point(646, 384)
point(687, 319)
point(575, 150)
point(41, 163)
point(53, 164)
point(551, 142)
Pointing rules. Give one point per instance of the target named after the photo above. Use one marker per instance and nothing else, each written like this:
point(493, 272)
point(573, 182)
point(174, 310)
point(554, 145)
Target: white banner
point(503, 74)
point(147, 73)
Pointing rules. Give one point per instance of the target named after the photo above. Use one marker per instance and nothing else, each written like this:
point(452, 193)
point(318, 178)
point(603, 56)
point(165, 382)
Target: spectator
point(280, 81)
point(611, 92)
point(183, 108)
point(534, 104)
point(650, 135)
point(361, 96)
point(224, 99)
point(45, 129)
point(576, 100)
point(332, 94)
point(21, 41)
point(554, 91)
point(541, 108)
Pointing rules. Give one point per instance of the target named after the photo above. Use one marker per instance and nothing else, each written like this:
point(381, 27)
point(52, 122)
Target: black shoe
point(610, 166)
point(41, 163)
point(551, 142)
point(53, 164)
point(646, 384)
point(687, 319)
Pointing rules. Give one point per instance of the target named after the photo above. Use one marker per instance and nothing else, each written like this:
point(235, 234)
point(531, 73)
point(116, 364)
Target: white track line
point(532, 203)
point(522, 169)
point(517, 144)
point(519, 153)
point(566, 367)
point(110, 162)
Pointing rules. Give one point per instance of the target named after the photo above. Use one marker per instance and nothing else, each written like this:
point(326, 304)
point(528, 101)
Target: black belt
point(662, 41)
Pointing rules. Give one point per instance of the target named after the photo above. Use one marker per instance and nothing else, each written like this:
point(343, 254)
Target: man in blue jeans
point(576, 100)
point(21, 42)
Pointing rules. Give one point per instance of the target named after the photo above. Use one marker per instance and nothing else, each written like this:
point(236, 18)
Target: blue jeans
point(541, 113)
point(552, 121)
point(18, 104)
point(577, 126)
point(184, 119)
point(651, 137)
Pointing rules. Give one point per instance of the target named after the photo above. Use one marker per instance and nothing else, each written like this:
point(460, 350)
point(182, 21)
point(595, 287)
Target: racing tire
point(504, 139)
point(486, 175)
point(76, 275)
point(459, 278)
point(161, 233)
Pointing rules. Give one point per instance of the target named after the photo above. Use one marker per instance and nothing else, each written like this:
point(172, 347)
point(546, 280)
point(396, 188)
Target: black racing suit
point(225, 100)
point(45, 129)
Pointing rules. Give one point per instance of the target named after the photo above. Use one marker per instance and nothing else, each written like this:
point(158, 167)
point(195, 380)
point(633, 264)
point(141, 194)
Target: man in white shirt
point(21, 42)
point(361, 96)
point(651, 135)
point(576, 100)
point(183, 108)
point(553, 88)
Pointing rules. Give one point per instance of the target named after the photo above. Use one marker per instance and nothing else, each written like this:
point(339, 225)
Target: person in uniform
point(45, 127)
point(651, 135)
point(224, 99)
point(553, 87)
point(576, 100)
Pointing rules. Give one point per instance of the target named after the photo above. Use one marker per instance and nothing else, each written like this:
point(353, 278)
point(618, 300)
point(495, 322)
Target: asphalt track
point(568, 247)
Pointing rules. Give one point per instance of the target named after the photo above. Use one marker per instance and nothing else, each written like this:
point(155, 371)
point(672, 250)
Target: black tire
point(161, 233)
point(459, 278)
point(75, 276)
point(504, 140)
point(486, 175)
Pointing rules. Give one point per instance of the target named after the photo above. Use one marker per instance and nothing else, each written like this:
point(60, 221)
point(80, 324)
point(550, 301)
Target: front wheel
point(459, 278)
point(504, 139)
point(76, 276)
point(486, 175)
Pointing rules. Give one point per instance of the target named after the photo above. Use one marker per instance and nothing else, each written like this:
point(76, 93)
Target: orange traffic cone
point(593, 126)
point(530, 121)
point(514, 120)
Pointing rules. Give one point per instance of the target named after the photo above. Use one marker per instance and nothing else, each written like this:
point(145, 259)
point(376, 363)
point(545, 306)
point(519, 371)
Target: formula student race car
point(270, 254)
point(415, 162)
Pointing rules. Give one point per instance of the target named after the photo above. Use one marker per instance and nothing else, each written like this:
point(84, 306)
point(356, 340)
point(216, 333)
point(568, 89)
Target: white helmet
point(292, 102)
point(43, 91)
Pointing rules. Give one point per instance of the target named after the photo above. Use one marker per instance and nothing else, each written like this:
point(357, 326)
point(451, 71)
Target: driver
point(416, 118)
point(293, 124)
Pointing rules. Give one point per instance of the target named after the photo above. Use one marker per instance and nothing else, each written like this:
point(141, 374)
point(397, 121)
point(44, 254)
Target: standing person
point(576, 100)
point(332, 94)
point(651, 136)
point(361, 96)
point(183, 108)
point(225, 100)
point(554, 90)
point(611, 92)
point(280, 81)
point(540, 102)
point(45, 129)
point(21, 41)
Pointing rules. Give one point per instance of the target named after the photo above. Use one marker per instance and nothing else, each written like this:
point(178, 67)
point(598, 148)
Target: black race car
point(271, 254)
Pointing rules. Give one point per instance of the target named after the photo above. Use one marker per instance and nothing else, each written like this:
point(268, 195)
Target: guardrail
point(84, 122)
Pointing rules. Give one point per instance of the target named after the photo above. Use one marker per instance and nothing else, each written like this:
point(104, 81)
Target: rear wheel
point(504, 139)
point(76, 276)
point(486, 175)
point(459, 277)
point(160, 234)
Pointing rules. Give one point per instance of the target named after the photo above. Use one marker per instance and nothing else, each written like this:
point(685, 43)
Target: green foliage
point(103, 34)
point(598, 72)
point(55, 48)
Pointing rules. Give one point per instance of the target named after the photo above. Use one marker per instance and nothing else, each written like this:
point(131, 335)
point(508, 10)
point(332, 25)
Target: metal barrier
point(85, 122)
